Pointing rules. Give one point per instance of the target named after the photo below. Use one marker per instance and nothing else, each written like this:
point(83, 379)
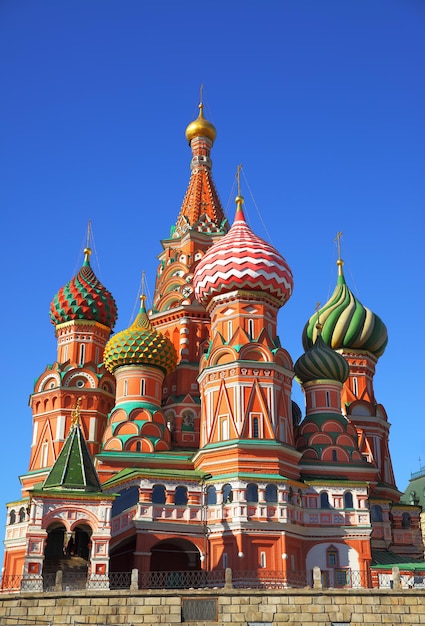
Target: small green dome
point(140, 344)
point(321, 362)
point(346, 323)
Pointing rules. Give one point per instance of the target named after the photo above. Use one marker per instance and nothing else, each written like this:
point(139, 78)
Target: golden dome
point(201, 127)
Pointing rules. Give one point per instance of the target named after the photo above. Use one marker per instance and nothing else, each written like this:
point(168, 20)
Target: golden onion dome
point(201, 127)
point(140, 344)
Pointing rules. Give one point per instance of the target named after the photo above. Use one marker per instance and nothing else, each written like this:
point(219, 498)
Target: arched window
point(158, 494)
point(12, 516)
point(251, 328)
point(324, 500)
point(22, 514)
point(138, 446)
point(211, 495)
point(376, 513)
point(355, 386)
point(348, 500)
point(252, 492)
point(271, 493)
point(405, 520)
point(227, 494)
point(180, 496)
point(229, 329)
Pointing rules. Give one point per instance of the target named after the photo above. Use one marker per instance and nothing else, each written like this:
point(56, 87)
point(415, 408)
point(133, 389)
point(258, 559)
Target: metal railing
point(200, 579)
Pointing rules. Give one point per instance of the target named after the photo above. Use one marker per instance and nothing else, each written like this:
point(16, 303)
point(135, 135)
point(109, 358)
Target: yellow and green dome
point(346, 323)
point(140, 344)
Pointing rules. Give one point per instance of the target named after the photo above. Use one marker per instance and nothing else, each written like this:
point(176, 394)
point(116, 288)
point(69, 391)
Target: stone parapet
point(217, 607)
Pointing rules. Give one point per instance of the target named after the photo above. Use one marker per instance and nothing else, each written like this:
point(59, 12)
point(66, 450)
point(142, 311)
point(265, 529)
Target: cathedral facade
point(175, 446)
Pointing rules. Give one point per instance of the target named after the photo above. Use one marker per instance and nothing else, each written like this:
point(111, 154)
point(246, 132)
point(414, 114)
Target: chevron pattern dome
point(242, 261)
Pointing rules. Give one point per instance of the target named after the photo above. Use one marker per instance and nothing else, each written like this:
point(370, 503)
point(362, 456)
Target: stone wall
point(298, 607)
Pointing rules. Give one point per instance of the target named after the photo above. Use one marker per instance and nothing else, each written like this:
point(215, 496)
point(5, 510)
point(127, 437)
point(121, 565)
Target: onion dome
point(242, 261)
point(140, 344)
point(84, 298)
point(201, 127)
point(321, 362)
point(346, 323)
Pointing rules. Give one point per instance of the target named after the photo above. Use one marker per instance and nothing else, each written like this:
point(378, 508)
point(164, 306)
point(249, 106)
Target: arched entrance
point(68, 552)
point(173, 555)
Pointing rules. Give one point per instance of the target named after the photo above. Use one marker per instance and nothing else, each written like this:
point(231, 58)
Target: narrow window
point(262, 559)
point(82, 353)
point(224, 429)
point(251, 328)
point(376, 513)
point(142, 387)
point(255, 428)
point(96, 355)
point(332, 557)
point(227, 494)
point(44, 454)
point(180, 496)
point(65, 353)
point(348, 500)
point(334, 455)
point(211, 495)
point(271, 493)
point(405, 520)
point(224, 560)
point(355, 387)
point(158, 494)
point(328, 399)
point(324, 500)
point(12, 517)
point(229, 330)
point(252, 493)
point(125, 392)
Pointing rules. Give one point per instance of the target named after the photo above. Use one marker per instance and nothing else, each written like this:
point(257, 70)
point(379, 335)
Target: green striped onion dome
point(140, 344)
point(321, 362)
point(84, 298)
point(346, 323)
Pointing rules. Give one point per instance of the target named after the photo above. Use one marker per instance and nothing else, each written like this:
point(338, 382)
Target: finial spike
point(238, 178)
point(201, 93)
point(88, 234)
point(338, 243)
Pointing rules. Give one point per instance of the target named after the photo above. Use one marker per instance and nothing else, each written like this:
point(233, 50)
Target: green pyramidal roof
point(73, 469)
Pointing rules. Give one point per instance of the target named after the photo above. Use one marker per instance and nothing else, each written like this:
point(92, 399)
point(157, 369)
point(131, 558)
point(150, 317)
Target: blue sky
point(321, 101)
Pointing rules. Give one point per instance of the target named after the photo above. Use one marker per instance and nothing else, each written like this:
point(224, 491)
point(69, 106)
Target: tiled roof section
point(242, 261)
point(201, 209)
point(73, 470)
point(84, 298)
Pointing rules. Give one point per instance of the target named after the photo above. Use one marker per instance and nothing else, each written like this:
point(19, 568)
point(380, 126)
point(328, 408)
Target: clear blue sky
point(322, 102)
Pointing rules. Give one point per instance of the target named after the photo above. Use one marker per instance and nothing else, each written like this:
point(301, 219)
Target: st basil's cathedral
point(174, 445)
